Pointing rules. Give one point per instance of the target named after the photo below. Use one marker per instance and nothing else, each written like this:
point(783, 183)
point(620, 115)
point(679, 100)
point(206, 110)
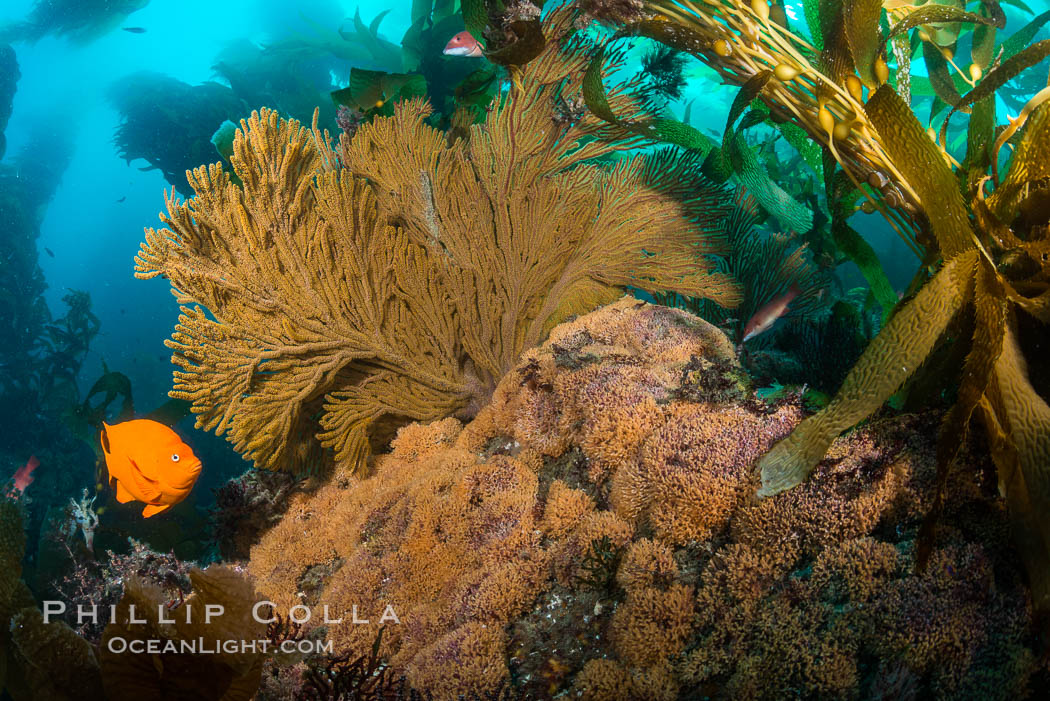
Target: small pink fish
point(464, 44)
point(771, 311)
point(23, 477)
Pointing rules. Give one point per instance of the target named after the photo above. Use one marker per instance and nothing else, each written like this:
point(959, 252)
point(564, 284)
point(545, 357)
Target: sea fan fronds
point(765, 264)
point(337, 296)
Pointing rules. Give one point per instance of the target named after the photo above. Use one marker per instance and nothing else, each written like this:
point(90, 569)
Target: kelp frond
point(892, 356)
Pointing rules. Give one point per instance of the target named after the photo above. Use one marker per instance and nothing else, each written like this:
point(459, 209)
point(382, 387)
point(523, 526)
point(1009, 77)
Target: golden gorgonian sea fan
point(330, 299)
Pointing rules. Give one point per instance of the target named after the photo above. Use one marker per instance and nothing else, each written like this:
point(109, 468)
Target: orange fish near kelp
point(464, 44)
point(148, 462)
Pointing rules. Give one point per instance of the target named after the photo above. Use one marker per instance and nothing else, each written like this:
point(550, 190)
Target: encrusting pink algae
point(555, 542)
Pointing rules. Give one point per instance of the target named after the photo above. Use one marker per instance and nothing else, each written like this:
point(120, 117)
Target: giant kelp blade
point(224, 674)
point(669, 131)
point(112, 385)
point(368, 89)
point(841, 197)
point(809, 149)
point(863, 255)
point(412, 51)
point(1021, 449)
point(225, 587)
point(747, 94)
point(170, 412)
point(736, 154)
point(477, 88)
point(758, 114)
point(1007, 70)
point(1004, 73)
point(716, 166)
point(941, 77)
point(923, 166)
point(836, 59)
point(369, 34)
point(1023, 36)
point(902, 52)
point(792, 214)
point(891, 357)
point(933, 14)
point(862, 32)
point(365, 87)
point(990, 311)
point(373, 27)
point(1029, 165)
point(222, 139)
point(403, 86)
point(681, 134)
point(429, 19)
point(436, 10)
point(527, 45)
point(946, 34)
point(983, 48)
point(421, 9)
point(475, 16)
point(980, 134)
point(811, 10)
point(594, 90)
point(130, 676)
point(344, 96)
point(674, 35)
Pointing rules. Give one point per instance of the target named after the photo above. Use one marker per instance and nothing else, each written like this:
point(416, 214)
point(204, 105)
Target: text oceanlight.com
point(200, 646)
point(299, 614)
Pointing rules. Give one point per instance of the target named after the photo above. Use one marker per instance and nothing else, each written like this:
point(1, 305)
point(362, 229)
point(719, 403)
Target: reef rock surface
point(594, 531)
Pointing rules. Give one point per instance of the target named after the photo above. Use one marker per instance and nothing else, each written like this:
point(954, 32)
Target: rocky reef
point(594, 529)
point(42, 657)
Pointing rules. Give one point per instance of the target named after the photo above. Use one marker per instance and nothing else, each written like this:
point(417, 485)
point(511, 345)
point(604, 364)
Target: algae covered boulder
point(593, 530)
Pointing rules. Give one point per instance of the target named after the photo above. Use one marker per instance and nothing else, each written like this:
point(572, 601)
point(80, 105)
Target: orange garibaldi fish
point(148, 462)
